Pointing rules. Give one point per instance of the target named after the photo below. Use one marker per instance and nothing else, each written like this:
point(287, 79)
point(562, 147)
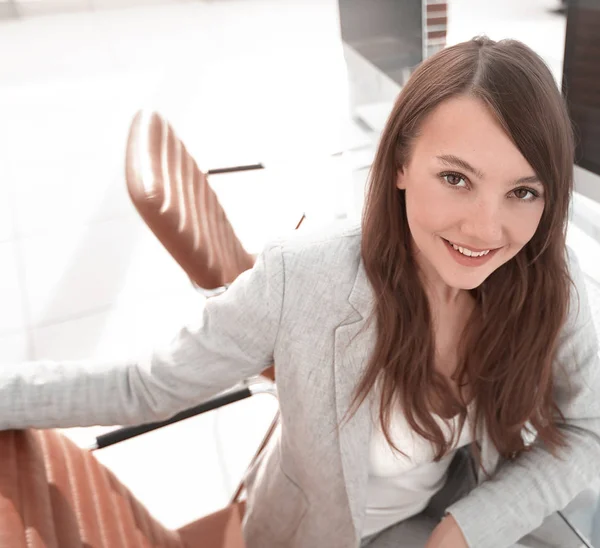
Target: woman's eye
point(454, 179)
point(525, 194)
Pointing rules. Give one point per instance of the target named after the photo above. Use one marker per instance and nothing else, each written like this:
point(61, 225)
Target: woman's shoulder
point(330, 244)
point(324, 255)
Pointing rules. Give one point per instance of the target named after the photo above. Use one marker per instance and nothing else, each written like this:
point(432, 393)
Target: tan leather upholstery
point(174, 198)
point(54, 494)
point(222, 529)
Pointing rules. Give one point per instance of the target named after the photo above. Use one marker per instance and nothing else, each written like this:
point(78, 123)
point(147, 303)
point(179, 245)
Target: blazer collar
point(361, 296)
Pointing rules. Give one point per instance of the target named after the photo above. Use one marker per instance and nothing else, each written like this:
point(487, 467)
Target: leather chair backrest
point(53, 494)
point(175, 200)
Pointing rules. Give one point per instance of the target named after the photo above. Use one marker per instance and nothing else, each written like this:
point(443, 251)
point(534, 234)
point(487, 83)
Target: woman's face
point(472, 200)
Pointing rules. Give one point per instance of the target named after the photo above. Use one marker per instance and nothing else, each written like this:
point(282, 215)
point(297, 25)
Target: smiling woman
point(464, 245)
point(484, 242)
point(447, 321)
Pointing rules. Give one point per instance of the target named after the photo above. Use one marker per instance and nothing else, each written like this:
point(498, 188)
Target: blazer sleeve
point(523, 492)
point(233, 339)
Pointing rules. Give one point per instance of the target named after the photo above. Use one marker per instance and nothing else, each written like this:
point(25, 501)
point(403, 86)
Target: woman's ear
point(400, 179)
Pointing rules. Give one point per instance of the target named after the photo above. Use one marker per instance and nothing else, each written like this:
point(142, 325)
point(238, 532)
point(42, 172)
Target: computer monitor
point(581, 87)
point(387, 33)
point(384, 41)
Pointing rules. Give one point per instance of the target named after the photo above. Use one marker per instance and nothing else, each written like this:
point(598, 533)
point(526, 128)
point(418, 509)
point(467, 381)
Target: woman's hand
point(447, 535)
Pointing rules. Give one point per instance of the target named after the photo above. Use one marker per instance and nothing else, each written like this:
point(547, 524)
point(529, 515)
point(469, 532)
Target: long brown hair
point(510, 341)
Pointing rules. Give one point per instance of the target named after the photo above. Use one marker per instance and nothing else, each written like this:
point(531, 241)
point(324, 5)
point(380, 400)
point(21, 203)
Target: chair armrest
point(234, 169)
point(128, 432)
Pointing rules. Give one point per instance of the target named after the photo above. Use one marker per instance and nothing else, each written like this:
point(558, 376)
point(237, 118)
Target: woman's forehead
point(465, 128)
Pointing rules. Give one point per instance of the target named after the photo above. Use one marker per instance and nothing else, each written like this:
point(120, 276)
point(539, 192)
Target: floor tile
point(123, 330)
point(13, 348)
point(78, 175)
point(11, 290)
point(69, 273)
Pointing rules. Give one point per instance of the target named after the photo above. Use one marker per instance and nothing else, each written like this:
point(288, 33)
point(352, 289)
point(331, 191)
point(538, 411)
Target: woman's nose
point(483, 223)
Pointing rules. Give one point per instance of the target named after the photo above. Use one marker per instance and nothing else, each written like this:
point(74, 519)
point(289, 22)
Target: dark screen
point(388, 33)
point(581, 79)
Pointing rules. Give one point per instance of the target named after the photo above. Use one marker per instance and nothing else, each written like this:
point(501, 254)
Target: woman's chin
point(466, 283)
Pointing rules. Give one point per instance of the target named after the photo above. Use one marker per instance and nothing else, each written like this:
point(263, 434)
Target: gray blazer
point(305, 305)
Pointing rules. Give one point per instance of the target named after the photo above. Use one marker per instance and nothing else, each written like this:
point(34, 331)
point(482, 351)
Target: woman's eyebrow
point(454, 161)
point(531, 180)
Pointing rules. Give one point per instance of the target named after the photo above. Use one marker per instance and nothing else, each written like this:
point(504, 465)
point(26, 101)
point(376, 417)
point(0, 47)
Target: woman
point(447, 326)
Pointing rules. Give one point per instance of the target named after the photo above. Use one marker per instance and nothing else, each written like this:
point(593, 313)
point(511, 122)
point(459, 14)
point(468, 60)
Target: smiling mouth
point(468, 256)
point(468, 252)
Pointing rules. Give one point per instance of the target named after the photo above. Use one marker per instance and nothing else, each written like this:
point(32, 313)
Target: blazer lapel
point(354, 341)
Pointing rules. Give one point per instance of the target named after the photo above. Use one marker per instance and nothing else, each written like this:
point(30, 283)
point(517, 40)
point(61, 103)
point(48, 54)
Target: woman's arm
point(233, 339)
point(525, 491)
point(447, 534)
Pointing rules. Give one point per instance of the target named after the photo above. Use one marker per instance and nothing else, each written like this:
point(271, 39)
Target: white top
point(400, 486)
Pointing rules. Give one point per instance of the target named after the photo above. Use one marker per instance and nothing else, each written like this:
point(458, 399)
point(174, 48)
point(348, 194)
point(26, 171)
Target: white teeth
point(468, 252)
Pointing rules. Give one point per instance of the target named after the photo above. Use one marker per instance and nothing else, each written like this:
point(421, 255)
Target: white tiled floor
point(242, 81)
point(69, 273)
